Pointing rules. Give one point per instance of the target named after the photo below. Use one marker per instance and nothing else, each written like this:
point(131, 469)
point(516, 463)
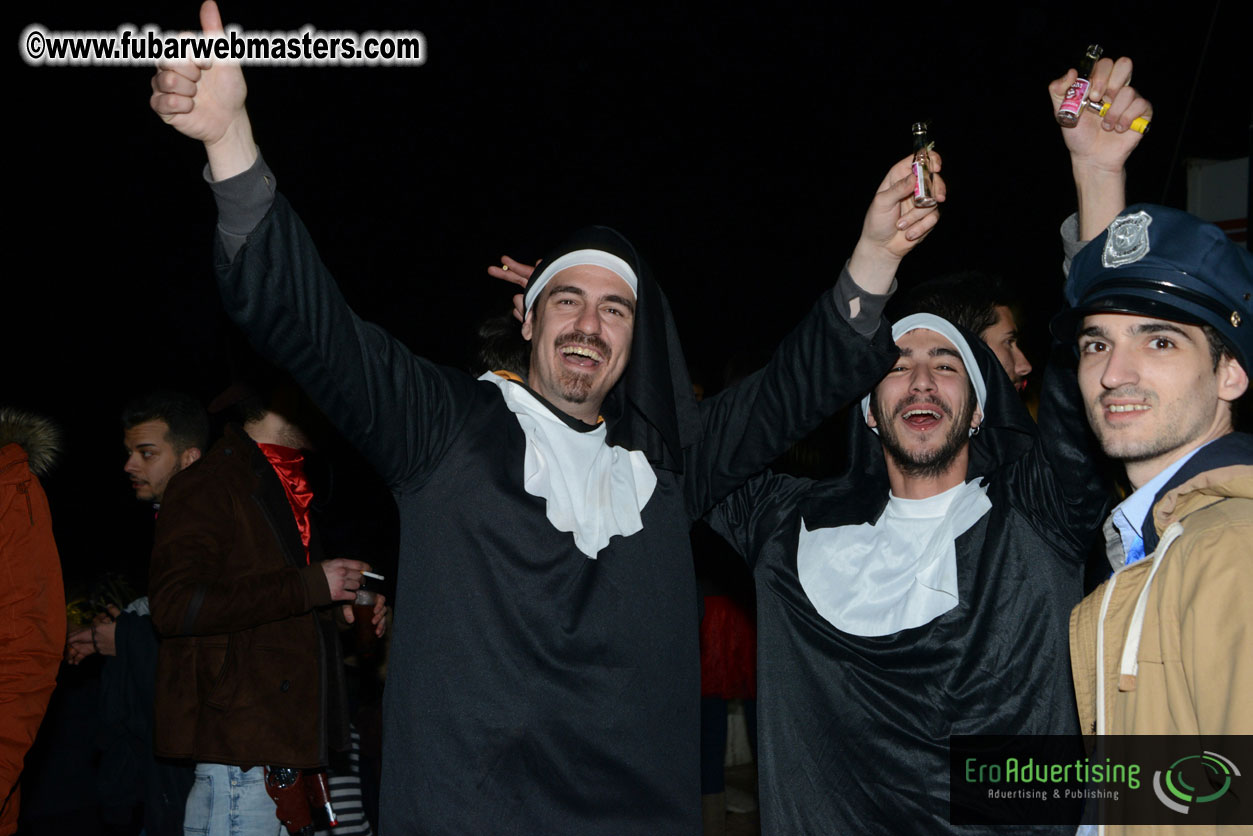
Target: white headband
point(578, 258)
point(946, 329)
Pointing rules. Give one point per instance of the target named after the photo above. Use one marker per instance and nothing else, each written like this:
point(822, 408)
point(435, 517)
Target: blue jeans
point(227, 801)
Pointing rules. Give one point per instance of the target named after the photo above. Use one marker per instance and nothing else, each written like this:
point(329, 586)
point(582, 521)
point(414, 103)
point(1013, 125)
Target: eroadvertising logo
point(1175, 780)
point(1115, 779)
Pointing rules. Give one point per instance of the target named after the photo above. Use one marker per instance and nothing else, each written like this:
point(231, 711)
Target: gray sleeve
point(870, 305)
point(243, 200)
point(1071, 245)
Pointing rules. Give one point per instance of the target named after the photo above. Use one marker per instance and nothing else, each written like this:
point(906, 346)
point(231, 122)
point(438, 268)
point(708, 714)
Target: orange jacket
point(32, 619)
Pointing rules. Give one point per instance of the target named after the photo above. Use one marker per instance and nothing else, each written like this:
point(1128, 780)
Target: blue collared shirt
point(1130, 513)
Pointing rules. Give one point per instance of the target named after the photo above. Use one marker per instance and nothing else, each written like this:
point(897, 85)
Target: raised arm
point(205, 101)
point(837, 353)
point(1068, 495)
point(1100, 145)
point(399, 410)
point(893, 226)
point(1059, 480)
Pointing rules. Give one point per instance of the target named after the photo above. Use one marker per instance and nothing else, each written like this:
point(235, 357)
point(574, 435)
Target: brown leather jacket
point(249, 670)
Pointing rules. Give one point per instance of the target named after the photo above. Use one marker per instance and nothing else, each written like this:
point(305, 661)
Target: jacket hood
point(651, 408)
point(37, 436)
point(1006, 434)
point(1221, 469)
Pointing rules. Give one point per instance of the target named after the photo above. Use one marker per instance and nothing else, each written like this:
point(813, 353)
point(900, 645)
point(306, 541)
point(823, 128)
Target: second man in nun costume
point(924, 593)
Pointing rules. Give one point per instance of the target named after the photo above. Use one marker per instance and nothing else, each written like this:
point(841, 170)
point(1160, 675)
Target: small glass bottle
point(922, 166)
point(1077, 94)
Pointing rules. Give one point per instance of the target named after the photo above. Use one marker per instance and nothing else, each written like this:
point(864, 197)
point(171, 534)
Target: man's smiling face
point(1151, 390)
point(580, 331)
point(925, 407)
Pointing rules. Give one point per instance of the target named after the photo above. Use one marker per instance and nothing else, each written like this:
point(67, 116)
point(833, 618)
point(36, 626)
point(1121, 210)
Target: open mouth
point(921, 418)
point(582, 356)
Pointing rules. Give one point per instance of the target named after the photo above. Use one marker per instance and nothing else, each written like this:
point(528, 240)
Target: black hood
point(651, 408)
point(1006, 434)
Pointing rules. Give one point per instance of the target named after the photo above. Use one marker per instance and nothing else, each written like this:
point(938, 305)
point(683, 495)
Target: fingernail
point(1107, 126)
point(901, 224)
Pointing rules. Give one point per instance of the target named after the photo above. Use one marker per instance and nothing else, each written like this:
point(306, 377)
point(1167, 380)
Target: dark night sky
point(737, 146)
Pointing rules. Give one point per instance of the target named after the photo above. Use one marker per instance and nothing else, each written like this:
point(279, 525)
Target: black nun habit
point(532, 688)
point(854, 730)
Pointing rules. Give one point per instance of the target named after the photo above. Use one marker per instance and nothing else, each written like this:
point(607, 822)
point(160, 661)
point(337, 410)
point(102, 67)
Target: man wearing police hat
point(1162, 318)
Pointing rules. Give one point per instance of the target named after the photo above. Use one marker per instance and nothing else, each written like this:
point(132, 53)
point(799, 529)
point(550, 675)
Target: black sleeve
point(243, 201)
point(135, 639)
point(1058, 484)
point(749, 516)
point(130, 677)
point(400, 411)
point(823, 365)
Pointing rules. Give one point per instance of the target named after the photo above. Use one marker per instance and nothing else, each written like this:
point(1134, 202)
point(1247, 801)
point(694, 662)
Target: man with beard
point(924, 593)
point(163, 432)
point(543, 672)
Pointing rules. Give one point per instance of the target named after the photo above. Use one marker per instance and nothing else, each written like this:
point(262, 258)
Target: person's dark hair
point(1217, 348)
point(501, 346)
point(183, 414)
point(252, 408)
point(969, 299)
point(263, 389)
point(1217, 351)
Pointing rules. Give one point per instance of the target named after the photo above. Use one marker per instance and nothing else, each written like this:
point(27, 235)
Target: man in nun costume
point(543, 675)
point(924, 593)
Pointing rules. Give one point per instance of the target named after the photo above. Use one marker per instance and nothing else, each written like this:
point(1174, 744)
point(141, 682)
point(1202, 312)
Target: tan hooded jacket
point(1185, 666)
